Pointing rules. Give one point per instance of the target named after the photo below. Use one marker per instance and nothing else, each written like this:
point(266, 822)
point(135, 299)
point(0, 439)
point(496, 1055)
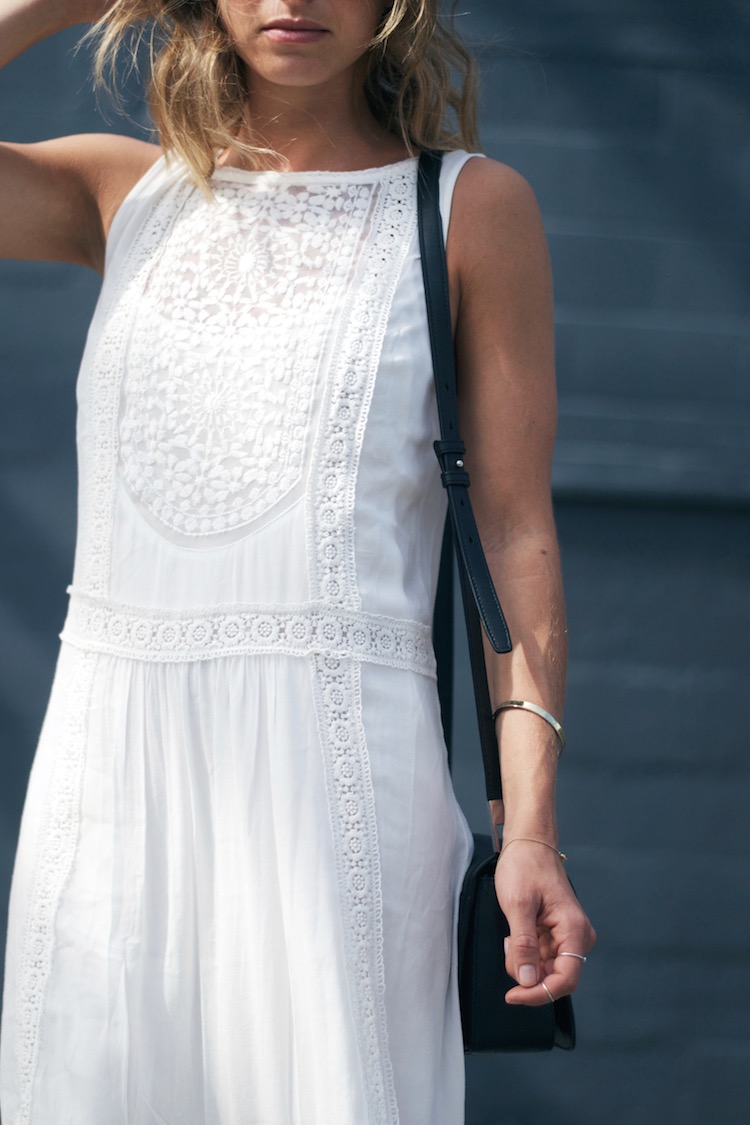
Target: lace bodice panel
point(227, 347)
point(255, 401)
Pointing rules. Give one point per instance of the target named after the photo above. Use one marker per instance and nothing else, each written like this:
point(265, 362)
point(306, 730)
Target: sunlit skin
point(304, 62)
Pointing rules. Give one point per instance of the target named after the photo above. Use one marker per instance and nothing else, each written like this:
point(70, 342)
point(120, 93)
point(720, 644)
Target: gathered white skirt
point(192, 937)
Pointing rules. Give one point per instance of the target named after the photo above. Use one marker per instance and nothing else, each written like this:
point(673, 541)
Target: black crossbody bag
point(489, 1024)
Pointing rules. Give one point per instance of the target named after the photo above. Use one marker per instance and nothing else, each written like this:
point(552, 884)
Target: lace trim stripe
point(57, 850)
point(351, 808)
point(332, 496)
point(333, 580)
point(99, 625)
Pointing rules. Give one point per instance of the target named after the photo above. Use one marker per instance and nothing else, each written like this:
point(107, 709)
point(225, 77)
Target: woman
point(234, 897)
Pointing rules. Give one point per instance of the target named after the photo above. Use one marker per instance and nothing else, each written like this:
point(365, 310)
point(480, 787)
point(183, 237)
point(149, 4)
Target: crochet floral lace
point(98, 625)
point(216, 404)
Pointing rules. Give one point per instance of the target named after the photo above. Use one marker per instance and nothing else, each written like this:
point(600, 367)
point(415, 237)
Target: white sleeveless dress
point(235, 892)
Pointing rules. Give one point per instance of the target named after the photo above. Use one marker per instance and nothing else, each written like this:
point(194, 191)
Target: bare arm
point(59, 196)
point(502, 292)
point(25, 22)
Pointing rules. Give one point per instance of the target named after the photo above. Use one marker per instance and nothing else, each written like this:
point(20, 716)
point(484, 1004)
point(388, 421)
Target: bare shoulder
point(503, 299)
point(488, 192)
point(495, 212)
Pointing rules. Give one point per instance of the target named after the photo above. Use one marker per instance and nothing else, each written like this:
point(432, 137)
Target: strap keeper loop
point(448, 445)
point(455, 477)
point(450, 454)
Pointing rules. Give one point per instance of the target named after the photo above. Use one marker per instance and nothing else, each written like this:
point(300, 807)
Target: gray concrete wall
point(630, 119)
point(653, 808)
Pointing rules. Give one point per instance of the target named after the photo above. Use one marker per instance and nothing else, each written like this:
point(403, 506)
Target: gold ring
point(551, 997)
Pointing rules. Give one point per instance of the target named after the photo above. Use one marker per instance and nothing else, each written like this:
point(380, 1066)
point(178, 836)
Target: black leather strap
point(450, 448)
point(481, 604)
point(443, 632)
point(485, 722)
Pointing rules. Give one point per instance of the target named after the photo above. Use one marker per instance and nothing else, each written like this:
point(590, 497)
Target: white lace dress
point(234, 896)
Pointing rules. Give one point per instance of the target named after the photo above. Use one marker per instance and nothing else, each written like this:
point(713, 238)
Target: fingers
point(559, 977)
point(552, 975)
point(543, 993)
point(552, 984)
point(568, 969)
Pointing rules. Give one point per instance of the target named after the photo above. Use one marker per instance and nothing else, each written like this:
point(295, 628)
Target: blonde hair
point(197, 90)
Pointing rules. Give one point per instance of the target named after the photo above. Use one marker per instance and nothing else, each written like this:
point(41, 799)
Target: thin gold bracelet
point(534, 840)
point(524, 705)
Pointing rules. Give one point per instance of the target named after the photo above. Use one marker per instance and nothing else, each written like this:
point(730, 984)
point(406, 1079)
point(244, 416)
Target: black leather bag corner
point(489, 1024)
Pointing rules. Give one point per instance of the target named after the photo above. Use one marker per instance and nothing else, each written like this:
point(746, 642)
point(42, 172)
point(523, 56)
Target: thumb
point(522, 956)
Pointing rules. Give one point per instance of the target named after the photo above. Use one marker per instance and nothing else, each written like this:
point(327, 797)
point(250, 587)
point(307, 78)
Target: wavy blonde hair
point(419, 77)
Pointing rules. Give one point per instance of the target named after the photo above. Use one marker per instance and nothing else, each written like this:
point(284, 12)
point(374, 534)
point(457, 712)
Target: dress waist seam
point(97, 624)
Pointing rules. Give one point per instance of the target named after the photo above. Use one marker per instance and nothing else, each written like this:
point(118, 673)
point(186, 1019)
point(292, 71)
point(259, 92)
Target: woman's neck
point(316, 129)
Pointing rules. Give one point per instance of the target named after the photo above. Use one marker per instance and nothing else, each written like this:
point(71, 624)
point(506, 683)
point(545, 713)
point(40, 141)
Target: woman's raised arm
point(26, 22)
point(58, 196)
point(502, 294)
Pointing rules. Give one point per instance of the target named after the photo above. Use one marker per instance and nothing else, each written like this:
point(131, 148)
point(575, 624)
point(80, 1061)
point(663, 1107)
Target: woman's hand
point(546, 923)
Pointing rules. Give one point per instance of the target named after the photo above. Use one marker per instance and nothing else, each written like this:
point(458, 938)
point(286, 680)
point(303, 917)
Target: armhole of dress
point(143, 190)
point(453, 162)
